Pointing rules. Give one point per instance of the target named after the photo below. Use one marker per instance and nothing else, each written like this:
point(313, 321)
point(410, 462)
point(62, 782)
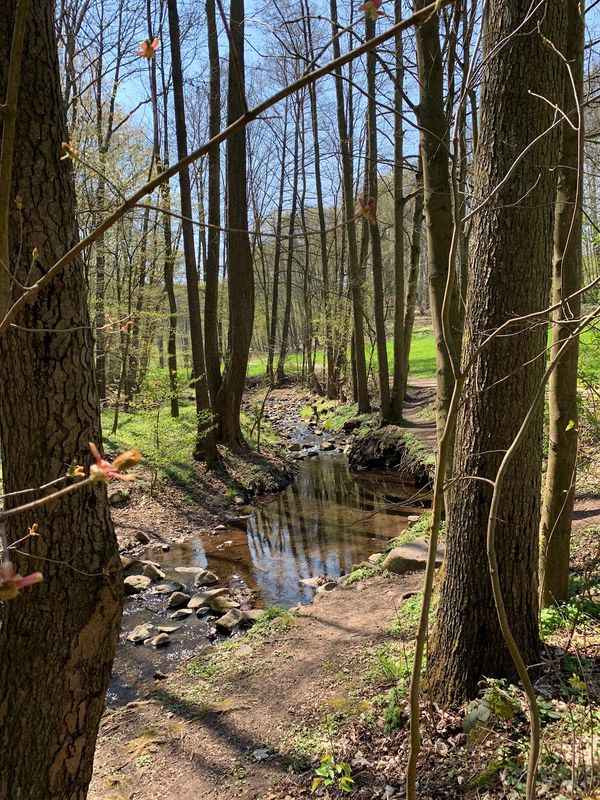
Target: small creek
point(327, 520)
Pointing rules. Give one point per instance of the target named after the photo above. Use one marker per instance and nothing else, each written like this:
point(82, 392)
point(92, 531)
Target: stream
point(326, 521)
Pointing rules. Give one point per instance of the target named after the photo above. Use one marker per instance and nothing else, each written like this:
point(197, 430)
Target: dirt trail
point(421, 393)
point(236, 726)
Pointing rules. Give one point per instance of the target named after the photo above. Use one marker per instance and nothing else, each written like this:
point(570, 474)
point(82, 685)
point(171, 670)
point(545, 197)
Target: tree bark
point(277, 254)
point(57, 639)
point(400, 360)
point(240, 268)
point(435, 153)
point(360, 364)
point(510, 276)
point(205, 448)
point(332, 388)
point(211, 278)
point(413, 278)
point(376, 255)
point(289, 263)
point(559, 490)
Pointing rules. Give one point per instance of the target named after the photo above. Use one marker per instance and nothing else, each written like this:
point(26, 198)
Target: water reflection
point(326, 521)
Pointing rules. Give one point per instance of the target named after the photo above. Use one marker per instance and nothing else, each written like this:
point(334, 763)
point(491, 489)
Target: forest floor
point(255, 717)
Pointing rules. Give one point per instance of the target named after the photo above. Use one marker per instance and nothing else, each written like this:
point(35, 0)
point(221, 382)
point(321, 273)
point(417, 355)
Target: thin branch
point(241, 122)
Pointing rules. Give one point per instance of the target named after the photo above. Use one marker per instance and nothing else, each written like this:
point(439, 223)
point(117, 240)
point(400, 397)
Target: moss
point(361, 574)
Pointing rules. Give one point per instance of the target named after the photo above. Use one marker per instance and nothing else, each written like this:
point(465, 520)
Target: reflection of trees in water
point(327, 520)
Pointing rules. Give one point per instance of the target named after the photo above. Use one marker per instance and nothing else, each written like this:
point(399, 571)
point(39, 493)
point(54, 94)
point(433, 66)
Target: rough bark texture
point(559, 491)
point(289, 258)
point(359, 364)
point(373, 226)
point(57, 639)
point(435, 152)
point(510, 276)
point(205, 447)
point(240, 268)
point(272, 331)
point(413, 277)
point(211, 298)
point(400, 361)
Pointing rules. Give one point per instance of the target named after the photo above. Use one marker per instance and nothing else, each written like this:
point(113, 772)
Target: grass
point(422, 358)
point(167, 443)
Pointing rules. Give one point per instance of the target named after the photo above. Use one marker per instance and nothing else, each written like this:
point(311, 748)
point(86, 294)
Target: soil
point(171, 514)
point(237, 730)
point(241, 720)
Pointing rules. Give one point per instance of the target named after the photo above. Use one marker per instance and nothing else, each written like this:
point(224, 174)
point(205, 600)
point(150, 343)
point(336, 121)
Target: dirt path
point(421, 394)
point(234, 724)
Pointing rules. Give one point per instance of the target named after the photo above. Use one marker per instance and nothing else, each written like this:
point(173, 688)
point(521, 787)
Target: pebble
point(181, 613)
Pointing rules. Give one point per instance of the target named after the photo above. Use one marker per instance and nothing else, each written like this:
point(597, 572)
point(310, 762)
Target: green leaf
point(570, 425)
point(315, 785)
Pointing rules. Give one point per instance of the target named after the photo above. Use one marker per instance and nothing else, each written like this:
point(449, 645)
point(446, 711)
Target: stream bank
point(278, 552)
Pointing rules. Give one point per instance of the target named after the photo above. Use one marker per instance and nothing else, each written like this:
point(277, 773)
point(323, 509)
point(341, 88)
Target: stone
point(251, 616)
point(219, 528)
point(154, 573)
point(159, 676)
point(205, 578)
point(326, 446)
point(126, 562)
point(178, 599)
point(413, 518)
point(165, 547)
point(328, 586)
point(239, 501)
point(203, 611)
point(167, 587)
point(374, 558)
point(140, 633)
point(136, 566)
point(119, 496)
point(410, 557)
point(141, 537)
point(134, 584)
point(312, 582)
point(162, 640)
point(203, 599)
point(294, 447)
point(220, 604)
point(229, 621)
point(237, 522)
point(168, 628)
point(181, 613)
point(190, 570)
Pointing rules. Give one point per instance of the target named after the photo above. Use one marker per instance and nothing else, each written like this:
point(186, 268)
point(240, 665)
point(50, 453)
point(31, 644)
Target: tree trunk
point(413, 278)
point(211, 297)
point(277, 254)
point(559, 491)
point(287, 311)
point(99, 315)
point(165, 195)
point(400, 360)
point(58, 639)
point(435, 152)
point(240, 267)
point(205, 446)
point(360, 364)
point(332, 388)
point(510, 276)
point(376, 255)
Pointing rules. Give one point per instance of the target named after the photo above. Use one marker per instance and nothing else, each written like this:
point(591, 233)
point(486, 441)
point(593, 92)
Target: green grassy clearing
point(422, 358)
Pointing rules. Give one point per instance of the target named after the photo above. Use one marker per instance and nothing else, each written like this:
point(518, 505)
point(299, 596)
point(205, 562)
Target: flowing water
point(326, 521)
